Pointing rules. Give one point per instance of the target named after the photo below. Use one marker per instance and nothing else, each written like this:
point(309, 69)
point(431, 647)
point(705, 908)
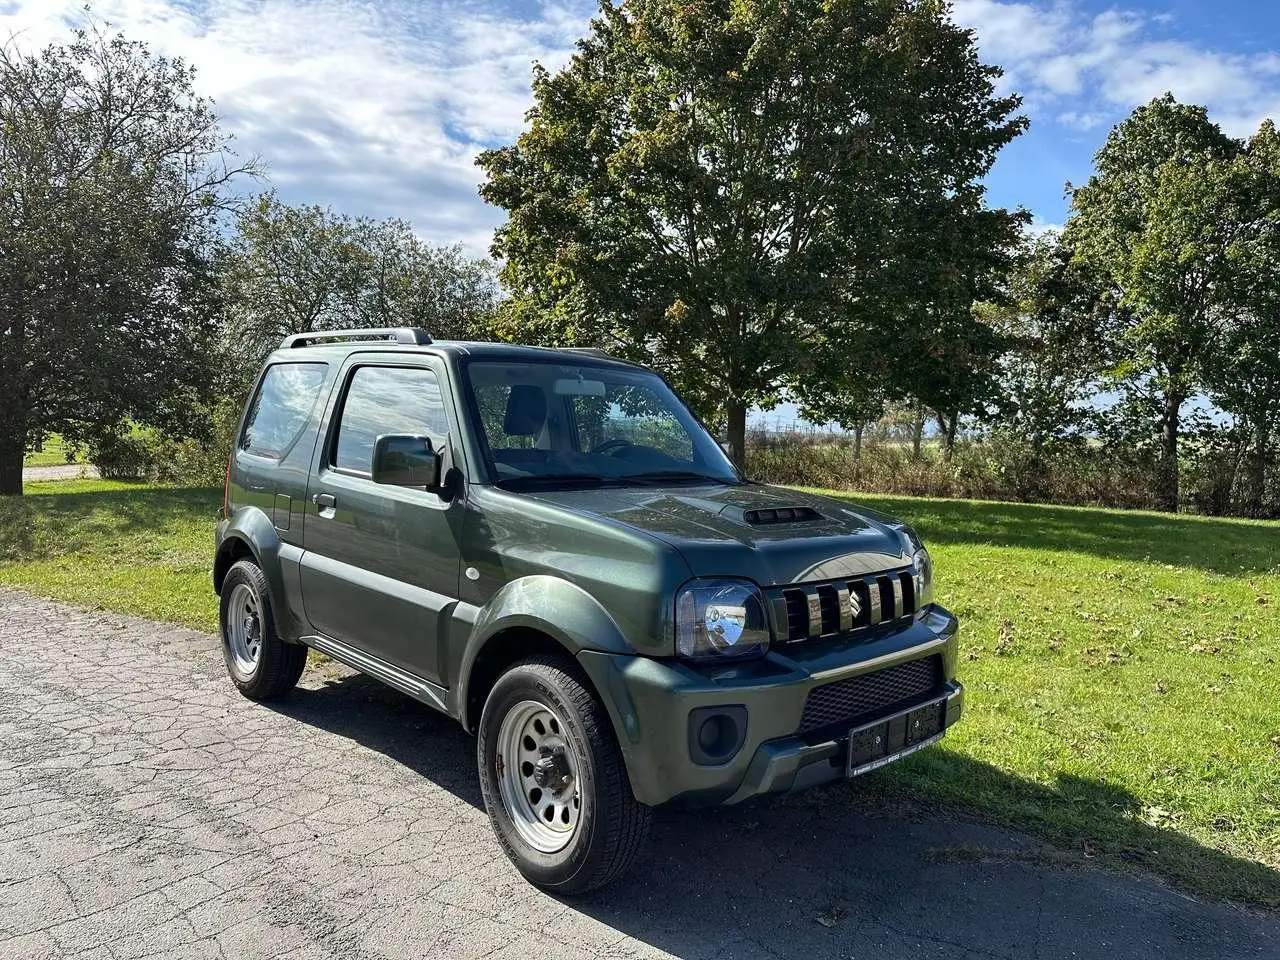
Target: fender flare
point(252, 527)
point(556, 608)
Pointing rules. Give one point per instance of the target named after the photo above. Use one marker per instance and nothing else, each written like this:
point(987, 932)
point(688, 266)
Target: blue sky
point(380, 106)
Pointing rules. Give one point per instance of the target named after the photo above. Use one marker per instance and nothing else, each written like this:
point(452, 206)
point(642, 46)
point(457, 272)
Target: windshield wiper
point(677, 476)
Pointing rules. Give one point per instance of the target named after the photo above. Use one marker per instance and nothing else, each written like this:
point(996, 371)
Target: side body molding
point(550, 605)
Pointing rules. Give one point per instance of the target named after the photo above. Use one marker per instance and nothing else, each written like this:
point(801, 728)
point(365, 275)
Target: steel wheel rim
point(244, 628)
point(538, 776)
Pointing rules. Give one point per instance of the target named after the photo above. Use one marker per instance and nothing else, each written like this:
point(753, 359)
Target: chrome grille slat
point(846, 611)
point(833, 608)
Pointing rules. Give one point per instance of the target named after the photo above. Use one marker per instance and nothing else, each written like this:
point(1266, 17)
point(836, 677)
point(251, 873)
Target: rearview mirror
point(404, 460)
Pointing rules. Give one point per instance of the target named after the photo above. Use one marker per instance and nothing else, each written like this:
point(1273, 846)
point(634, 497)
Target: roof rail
point(407, 335)
point(588, 351)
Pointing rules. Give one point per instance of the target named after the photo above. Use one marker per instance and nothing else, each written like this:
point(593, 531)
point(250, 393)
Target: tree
point(295, 269)
point(1165, 219)
point(1243, 371)
point(726, 188)
point(112, 174)
point(1055, 348)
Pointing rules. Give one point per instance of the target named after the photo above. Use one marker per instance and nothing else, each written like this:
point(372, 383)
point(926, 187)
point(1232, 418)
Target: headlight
point(922, 565)
point(721, 619)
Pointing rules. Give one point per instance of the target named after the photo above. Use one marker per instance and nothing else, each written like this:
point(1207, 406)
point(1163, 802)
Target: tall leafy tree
point(726, 187)
point(112, 174)
point(1242, 373)
point(1166, 219)
point(293, 269)
point(1056, 351)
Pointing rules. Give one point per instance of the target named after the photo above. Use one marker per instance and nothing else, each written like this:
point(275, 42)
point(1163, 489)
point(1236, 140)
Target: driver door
point(381, 562)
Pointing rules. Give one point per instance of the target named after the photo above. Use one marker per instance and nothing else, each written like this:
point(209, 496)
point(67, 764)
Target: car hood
point(729, 530)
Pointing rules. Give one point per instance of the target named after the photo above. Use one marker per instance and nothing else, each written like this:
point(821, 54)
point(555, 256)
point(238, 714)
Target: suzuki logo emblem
point(855, 606)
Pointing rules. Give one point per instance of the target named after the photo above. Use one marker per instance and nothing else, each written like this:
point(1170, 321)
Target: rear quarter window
point(281, 408)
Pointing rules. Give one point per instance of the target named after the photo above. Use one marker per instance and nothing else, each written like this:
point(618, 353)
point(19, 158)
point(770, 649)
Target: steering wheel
point(612, 446)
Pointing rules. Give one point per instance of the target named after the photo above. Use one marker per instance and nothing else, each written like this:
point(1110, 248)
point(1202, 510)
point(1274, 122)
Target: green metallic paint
point(595, 571)
point(649, 701)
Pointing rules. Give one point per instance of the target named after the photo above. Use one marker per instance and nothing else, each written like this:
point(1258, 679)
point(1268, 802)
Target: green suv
point(548, 546)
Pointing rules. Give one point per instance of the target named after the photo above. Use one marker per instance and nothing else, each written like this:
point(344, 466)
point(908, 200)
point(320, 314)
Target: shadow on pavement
point(847, 871)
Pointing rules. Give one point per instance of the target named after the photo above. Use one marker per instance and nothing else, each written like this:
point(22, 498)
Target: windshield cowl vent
point(766, 515)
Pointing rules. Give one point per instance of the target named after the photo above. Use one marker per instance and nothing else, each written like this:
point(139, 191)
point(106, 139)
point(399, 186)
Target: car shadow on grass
point(876, 867)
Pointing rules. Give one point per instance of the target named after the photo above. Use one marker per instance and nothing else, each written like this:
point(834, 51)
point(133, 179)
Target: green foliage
point(747, 195)
point(294, 269)
point(112, 175)
point(1177, 222)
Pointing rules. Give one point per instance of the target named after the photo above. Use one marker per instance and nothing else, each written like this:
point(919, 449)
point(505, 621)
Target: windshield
point(546, 422)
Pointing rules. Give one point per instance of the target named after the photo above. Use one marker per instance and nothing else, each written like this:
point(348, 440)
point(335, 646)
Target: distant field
point(1123, 669)
point(54, 454)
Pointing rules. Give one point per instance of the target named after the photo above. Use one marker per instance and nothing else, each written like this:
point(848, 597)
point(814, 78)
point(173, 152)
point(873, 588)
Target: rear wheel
point(554, 780)
point(259, 662)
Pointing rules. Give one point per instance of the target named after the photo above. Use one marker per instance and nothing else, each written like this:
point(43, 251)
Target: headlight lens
point(720, 619)
point(923, 566)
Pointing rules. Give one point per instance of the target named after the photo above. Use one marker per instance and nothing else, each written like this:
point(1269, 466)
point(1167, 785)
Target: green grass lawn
point(1123, 669)
point(54, 454)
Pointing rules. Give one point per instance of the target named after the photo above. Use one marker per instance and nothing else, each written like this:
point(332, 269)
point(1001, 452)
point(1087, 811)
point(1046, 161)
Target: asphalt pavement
point(146, 809)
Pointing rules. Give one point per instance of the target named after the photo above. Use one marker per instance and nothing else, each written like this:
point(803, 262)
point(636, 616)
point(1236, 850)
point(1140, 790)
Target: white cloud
point(376, 108)
point(1086, 67)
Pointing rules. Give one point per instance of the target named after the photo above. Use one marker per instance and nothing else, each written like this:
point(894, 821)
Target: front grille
point(842, 606)
point(847, 701)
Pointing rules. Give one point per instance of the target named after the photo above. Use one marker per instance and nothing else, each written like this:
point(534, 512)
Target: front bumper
point(650, 702)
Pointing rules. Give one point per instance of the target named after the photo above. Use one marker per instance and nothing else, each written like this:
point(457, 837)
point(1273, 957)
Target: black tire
point(612, 824)
point(279, 664)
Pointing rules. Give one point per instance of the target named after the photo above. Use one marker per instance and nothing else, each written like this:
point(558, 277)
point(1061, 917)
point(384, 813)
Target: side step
point(433, 695)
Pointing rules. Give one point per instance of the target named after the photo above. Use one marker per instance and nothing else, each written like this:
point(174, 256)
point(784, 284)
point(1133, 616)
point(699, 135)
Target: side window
point(281, 408)
point(387, 400)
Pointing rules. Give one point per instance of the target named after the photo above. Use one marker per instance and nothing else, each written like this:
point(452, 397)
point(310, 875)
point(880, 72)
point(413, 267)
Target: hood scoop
point(767, 516)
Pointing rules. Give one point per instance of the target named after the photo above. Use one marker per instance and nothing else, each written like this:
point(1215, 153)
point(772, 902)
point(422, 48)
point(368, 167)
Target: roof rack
point(588, 351)
point(408, 335)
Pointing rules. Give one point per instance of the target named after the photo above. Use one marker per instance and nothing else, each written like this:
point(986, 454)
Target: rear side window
point(387, 400)
point(281, 408)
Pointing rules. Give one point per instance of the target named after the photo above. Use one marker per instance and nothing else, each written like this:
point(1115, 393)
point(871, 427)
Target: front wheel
point(554, 780)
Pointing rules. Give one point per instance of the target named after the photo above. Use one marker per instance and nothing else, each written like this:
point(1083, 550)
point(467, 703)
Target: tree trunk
point(1167, 493)
point(917, 434)
point(857, 452)
point(737, 413)
point(949, 427)
point(1257, 496)
point(12, 447)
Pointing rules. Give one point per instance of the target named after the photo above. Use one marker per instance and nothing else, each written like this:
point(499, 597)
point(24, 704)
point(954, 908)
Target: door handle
point(324, 501)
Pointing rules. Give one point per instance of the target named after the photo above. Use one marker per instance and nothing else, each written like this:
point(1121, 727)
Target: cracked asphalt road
point(146, 809)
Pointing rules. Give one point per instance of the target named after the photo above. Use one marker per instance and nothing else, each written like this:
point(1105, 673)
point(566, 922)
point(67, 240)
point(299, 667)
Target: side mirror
point(404, 460)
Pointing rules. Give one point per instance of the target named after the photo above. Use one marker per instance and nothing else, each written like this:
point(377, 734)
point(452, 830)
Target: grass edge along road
point(1121, 666)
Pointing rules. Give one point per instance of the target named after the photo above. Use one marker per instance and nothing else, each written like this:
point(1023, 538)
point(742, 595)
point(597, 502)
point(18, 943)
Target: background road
point(147, 809)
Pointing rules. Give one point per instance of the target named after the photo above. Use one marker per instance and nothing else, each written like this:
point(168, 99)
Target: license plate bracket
point(876, 744)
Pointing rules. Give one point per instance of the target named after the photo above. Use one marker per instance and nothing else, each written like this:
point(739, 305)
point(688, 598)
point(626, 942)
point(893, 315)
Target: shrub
point(1001, 467)
point(124, 455)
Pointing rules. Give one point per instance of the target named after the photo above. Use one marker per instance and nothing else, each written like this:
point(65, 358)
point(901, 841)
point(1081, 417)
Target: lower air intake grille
point(848, 700)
